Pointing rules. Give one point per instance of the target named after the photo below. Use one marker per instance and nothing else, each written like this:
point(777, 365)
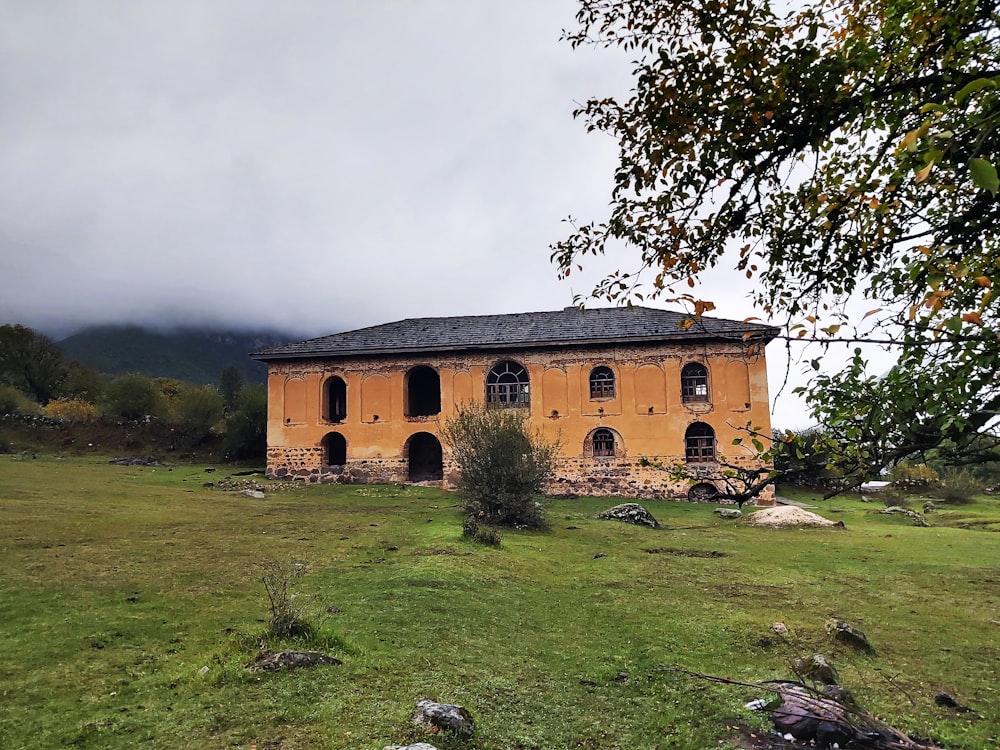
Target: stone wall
point(306, 465)
point(623, 477)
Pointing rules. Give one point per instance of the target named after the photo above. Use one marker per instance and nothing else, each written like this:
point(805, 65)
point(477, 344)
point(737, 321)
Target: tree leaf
point(973, 86)
point(984, 174)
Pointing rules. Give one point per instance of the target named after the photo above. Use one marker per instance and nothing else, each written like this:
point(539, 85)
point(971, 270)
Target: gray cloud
point(305, 164)
point(311, 166)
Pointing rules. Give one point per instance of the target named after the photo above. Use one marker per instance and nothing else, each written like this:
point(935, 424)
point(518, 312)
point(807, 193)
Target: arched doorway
point(425, 460)
point(335, 449)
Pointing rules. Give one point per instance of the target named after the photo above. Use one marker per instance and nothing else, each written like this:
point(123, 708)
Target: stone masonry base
point(602, 477)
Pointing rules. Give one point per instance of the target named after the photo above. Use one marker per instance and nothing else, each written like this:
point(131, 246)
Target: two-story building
point(622, 389)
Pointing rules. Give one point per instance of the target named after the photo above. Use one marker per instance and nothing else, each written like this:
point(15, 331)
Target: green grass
point(130, 600)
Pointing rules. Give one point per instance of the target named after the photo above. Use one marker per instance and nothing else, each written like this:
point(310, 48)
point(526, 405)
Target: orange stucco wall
point(647, 414)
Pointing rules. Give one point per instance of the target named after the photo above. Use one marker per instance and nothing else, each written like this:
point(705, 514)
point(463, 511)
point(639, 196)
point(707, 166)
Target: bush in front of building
point(503, 465)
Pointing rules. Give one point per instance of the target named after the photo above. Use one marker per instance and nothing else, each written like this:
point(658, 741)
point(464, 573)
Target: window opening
point(507, 385)
point(699, 443)
point(604, 442)
point(423, 392)
point(336, 399)
point(694, 383)
point(602, 383)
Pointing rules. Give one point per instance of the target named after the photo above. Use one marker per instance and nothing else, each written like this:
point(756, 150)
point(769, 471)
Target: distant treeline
point(189, 354)
point(38, 378)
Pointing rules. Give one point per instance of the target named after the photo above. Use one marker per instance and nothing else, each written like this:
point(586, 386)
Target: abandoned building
point(619, 388)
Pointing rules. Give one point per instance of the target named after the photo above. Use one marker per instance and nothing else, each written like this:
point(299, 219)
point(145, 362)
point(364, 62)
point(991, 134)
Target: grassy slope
point(120, 586)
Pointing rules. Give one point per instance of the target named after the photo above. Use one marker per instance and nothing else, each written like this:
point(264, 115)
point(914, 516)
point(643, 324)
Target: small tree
point(31, 362)
point(246, 424)
point(197, 411)
point(503, 465)
point(132, 397)
point(230, 385)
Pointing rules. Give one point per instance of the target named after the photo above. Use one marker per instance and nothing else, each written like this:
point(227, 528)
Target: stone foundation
point(306, 465)
point(604, 477)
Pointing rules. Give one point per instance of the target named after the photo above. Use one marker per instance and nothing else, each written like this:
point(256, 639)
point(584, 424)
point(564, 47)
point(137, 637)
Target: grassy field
point(130, 601)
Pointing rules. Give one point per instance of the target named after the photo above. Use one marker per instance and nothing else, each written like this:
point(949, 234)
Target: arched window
point(507, 385)
point(336, 399)
point(604, 442)
point(602, 383)
point(699, 443)
point(423, 392)
point(694, 383)
point(335, 449)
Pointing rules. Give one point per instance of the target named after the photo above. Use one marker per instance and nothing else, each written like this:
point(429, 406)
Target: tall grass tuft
point(287, 619)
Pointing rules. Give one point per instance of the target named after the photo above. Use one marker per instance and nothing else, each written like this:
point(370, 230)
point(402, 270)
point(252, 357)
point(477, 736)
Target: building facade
point(627, 392)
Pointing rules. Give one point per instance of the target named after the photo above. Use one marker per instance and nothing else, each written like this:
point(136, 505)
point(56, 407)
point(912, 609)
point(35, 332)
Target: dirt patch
point(683, 552)
point(788, 515)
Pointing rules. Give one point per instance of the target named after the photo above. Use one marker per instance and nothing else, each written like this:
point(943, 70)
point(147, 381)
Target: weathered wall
point(646, 414)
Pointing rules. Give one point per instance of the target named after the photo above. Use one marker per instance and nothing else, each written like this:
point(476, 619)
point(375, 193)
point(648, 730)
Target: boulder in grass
point(414, 746)
point(630, 513)
point(269, 662)
point(443, 717)
point(849, 636)
point(728, 513)
point(788, 515)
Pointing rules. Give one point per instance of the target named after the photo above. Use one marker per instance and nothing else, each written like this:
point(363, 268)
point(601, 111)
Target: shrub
point(12, 401)
point(246, 425)
point(503, 466)
point(287, 619)
point(480, 533)
point(893, 495)
point(230, 385)
point(197, 411)
point(71, 410)
point(958, 487)
point(132, 397)
point(913, 477)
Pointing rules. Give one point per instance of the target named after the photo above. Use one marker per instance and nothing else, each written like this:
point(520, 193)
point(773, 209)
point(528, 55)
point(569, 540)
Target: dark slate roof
point(568, 327)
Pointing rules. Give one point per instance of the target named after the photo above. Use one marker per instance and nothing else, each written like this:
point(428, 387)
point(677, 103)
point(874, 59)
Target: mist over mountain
point(194, 355)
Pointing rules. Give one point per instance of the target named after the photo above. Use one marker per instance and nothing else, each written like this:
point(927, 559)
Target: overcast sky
point(311, 166)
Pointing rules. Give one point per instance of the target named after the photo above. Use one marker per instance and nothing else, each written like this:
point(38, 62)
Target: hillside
point(193, 355)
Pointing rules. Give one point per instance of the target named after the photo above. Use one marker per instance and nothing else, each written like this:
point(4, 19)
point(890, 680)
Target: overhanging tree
point(832, 152)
